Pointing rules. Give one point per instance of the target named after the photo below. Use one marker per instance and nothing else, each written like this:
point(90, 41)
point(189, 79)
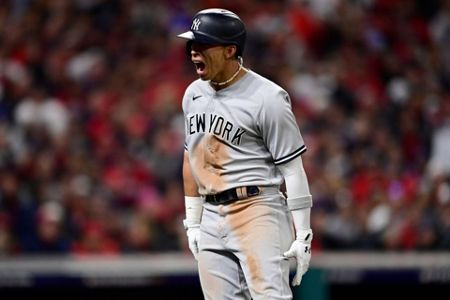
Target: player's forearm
point(193, 201)
point(190, 186)
point(296, 182)
point(299, 197)
point(302, 218)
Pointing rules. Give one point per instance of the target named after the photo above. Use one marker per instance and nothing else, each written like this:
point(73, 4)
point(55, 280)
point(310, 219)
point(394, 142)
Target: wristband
point(194, 209)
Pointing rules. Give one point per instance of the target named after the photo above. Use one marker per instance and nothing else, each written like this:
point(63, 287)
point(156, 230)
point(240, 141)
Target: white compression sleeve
point(299, 197)
point(297, 187)
point(194, 209)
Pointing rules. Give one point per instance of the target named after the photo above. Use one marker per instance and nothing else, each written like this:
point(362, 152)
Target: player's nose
point(195, 52)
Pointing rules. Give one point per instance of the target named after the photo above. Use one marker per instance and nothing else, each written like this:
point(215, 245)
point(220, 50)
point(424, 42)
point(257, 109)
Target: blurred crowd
point(91, 127)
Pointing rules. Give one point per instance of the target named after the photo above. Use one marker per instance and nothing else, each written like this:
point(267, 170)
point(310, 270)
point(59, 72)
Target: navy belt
point(232, 195)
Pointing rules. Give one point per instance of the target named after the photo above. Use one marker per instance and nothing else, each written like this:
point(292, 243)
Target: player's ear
point(230, 51)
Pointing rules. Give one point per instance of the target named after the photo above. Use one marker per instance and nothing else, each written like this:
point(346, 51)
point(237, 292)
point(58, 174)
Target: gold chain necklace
point(232, 77)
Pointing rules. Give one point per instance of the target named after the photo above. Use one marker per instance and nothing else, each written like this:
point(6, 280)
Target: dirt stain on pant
point(250, 225)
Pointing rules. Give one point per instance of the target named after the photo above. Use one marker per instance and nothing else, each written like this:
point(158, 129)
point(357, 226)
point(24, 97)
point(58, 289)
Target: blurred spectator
point(139, 235)
point(94, 239)
point(6, 237)
point(49, 237)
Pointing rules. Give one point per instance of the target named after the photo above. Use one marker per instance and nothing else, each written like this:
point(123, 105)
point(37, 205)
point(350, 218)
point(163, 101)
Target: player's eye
point(199, 47)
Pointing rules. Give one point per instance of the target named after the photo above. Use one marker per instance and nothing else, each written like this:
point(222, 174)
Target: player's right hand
point(193, 234)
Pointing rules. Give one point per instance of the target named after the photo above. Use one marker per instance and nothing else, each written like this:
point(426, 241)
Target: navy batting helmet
point(217, 26)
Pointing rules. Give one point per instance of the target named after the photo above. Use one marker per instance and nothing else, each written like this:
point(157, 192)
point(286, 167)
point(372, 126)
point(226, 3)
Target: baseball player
point(242, 142)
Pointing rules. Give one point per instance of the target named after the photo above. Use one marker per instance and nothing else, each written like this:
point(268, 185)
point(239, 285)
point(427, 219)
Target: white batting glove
point(301, 251)
point(193, 234)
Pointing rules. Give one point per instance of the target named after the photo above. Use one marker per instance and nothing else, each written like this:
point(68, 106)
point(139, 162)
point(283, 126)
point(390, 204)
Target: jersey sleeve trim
point(291, 156)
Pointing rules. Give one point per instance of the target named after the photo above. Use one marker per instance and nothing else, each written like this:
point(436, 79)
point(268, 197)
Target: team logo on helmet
point(195, 24)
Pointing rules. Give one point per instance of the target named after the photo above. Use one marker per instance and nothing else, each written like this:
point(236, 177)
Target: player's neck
point(235, 73)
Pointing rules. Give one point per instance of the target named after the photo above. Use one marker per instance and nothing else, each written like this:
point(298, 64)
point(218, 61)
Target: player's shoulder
point(264, 85)
point(266, 88)
point(195, 86)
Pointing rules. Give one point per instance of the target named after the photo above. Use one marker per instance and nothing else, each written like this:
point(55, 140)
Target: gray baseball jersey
point(236, 136)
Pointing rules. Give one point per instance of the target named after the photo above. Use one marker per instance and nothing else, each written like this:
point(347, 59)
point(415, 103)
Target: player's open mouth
point(200, 67)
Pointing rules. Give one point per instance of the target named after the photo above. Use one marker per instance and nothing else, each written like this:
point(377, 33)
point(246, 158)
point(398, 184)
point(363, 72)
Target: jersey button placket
point(210, 106)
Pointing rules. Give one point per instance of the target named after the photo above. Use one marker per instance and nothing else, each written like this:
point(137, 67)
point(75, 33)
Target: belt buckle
point(214, 198)
point(255, 191)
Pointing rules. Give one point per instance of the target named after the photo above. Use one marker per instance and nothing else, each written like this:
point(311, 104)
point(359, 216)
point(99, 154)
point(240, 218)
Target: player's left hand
point(301, 251)
point(193, 234)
